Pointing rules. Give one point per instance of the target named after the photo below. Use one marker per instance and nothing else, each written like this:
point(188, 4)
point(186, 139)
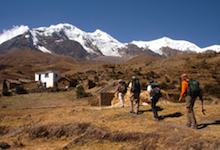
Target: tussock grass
point(80, 126)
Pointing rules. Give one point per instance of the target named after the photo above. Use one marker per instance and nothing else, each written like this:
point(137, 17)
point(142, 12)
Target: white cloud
point(15, 31)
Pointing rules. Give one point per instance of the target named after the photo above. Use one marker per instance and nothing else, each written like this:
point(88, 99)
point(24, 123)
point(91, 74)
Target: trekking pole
point(203, 110)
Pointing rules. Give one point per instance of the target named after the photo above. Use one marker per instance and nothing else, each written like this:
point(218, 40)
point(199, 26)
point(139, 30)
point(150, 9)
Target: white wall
point(48, 78)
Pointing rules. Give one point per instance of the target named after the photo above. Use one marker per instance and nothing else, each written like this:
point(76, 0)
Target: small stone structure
point(65, 83)
point(9, 84)
point(106, 98)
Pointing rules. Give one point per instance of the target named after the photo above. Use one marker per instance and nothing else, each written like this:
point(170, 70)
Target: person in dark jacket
point(154, 100)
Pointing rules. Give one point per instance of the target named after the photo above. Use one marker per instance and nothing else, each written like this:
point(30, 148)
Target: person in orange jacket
point(191, 120)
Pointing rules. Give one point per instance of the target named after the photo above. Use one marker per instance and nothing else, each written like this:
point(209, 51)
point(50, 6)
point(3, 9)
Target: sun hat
point(184, 75)
point(120, 80)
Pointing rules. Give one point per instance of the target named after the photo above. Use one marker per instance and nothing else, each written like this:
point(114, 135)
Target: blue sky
point(197, 21)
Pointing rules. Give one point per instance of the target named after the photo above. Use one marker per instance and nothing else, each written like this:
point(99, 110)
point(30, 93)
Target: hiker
point(135, 89)
point(154, 91)
point(190, 100)
point(122, 89)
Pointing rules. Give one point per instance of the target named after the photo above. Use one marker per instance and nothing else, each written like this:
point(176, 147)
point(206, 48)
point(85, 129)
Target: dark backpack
point(123, 87)
point(136, 87)
point(155, 92)
point(194, 88)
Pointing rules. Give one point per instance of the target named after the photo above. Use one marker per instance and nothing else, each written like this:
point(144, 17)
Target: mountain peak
point(166, 38)
point(98, 31)
point(62, 26)
point(155, 45)
point(15, 31)
point(98, 42)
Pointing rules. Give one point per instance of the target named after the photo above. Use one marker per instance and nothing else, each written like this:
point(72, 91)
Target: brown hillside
point(26, 57)
point(24, 63)
point(167, 72)
point(142, 59)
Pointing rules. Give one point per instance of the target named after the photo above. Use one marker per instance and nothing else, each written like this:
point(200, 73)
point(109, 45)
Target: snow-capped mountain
point(101, 40)
point(66, 39)
point(180, 45)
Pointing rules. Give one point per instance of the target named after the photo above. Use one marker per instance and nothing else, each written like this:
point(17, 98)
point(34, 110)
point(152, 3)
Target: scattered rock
point(4, 145)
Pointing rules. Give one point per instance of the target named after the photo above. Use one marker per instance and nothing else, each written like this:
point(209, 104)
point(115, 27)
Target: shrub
point(212, 89)
point(175, 98)
point(171, 86)
point(80, 92)
point(167, 79)
point(137, 72)
point(166, 86)
point(152, 74)
point(20, 90)
point(95, 103)
point(53, 89)
point(6, 93)
point(163, 85)
point(4, 106)
point(143, 85)
point(175, 82)
point(96, 78)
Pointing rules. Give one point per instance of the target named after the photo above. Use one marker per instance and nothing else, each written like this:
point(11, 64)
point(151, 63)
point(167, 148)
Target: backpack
point(135, 87)
point(123, 88)
point(194, 88)
point(155, 92)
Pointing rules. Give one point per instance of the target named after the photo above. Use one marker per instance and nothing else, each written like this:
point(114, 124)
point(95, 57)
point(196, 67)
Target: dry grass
point(58, 120)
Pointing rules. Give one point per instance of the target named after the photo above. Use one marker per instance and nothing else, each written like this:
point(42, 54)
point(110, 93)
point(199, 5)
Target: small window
point(46, 75)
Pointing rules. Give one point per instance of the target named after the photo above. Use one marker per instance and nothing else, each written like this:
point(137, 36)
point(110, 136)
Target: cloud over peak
point(15, 31)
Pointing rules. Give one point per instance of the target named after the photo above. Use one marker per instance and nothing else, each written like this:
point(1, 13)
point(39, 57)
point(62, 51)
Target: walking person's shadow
point(174, 115)
point(157, 108)
point(201, 126)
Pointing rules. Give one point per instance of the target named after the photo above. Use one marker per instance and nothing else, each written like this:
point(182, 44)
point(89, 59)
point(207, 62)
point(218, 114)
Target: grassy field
point(60, 121)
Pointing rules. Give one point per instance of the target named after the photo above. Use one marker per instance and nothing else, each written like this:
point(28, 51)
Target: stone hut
point(9, 84)
point(65, 83)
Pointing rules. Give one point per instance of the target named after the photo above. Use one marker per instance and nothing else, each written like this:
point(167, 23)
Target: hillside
point(59, 120)
point(167, 72)
point(24, 63)
point(142, 59)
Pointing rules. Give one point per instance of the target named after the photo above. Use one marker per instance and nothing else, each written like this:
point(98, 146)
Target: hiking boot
point(131, 112)
point(188, 125)
point(156, 119)
point(195, 128)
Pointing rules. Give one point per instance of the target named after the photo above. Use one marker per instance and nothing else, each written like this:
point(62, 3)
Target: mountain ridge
point(66, 39)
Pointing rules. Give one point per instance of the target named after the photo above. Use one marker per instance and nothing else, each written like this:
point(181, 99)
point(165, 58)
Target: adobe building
point(48, 78)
